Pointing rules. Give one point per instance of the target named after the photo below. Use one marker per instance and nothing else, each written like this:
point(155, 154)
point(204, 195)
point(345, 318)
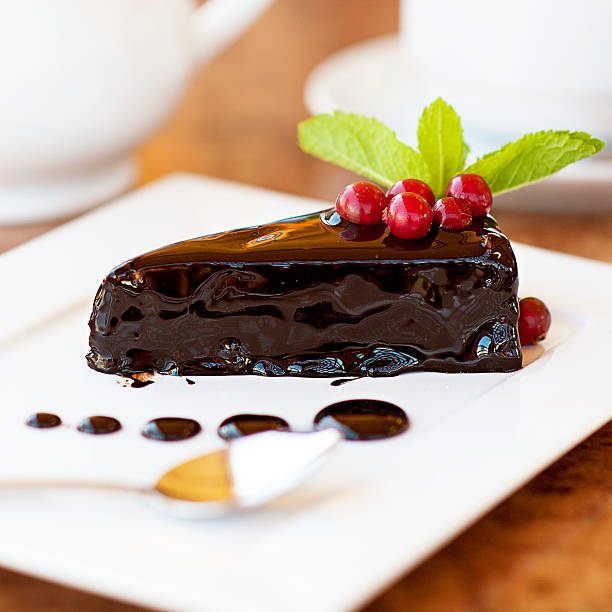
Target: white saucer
point(59, 197)
point(373, 78)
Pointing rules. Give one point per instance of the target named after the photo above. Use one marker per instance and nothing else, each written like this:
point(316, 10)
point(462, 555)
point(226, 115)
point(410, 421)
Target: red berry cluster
point(409, 207)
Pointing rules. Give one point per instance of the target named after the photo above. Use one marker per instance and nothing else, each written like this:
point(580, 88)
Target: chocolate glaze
point(43, 420)
point(169, 429)
point(99, 425)
point(363, 419)
point(312, 296)
point(246, 424)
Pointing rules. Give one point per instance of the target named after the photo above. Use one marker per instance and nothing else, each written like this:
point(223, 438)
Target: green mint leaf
point(534, 157)
point(363, 145)
point(441, 144)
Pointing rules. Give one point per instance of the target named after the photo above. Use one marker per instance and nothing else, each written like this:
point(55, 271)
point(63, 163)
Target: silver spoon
point(251, 471)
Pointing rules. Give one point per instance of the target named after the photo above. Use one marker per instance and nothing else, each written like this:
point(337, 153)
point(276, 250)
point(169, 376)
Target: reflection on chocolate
point(312, 296)
point(168, 429)
point(362, 233)
point(363, 419)
point(246, 424)
point(99, 425)
point(43, 420)
point(427, 243)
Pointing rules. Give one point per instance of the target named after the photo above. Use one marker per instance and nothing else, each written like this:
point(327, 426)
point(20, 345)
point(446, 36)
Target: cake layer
point(312, 296)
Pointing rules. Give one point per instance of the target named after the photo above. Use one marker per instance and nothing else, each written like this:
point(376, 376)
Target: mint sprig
point(441, 144)
point(361, 144)
point(534, 157)
point(366, 146)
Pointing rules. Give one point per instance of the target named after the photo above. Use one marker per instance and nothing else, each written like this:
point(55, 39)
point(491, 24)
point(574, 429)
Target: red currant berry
point(412, 186)
point(409, 216)
point(534, 320)
point(474, 190)
point(361, 203)
point(452, 213)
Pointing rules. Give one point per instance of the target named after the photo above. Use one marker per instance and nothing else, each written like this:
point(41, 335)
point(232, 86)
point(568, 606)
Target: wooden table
point(546, 548)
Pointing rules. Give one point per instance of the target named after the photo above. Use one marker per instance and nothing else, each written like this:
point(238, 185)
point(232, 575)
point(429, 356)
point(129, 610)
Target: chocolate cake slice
point(312, 296)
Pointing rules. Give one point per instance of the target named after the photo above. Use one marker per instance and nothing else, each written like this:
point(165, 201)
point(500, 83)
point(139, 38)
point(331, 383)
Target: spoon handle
point(71, 484)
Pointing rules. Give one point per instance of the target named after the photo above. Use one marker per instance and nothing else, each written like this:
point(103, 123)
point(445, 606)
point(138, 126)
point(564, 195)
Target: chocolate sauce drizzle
point(359, 419)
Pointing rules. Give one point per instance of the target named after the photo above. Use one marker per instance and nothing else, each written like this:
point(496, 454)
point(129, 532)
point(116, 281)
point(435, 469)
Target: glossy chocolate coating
point(312, 296)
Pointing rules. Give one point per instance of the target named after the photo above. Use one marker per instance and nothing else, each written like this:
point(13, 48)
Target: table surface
point(545, 548)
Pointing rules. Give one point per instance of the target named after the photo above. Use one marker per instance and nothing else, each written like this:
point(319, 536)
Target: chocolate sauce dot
point(190, 382)
point(99, 425)
point(139, 384)
point(43, 420)
point(341, 381)
point(169, 429)
point(363, 419)
point(247, 424)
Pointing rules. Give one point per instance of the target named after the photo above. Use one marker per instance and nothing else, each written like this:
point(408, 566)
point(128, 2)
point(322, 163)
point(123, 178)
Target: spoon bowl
point(252, 471)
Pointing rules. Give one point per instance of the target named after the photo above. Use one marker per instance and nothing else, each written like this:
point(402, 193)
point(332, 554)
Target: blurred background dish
point(84, 83)
point(353, 79)
point(515, 67)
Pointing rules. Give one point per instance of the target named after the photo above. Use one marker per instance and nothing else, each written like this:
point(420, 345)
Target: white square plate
point(376, 510)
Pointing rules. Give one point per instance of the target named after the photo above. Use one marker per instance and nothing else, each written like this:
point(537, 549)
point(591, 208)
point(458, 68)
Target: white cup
point(511, 67)
point(84, 82)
